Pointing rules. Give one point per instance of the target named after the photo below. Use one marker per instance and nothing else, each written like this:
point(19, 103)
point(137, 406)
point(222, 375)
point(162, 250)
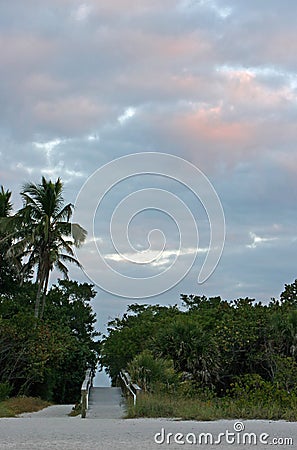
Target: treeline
point(225, 348)
point(47, 336)
point(48, 357)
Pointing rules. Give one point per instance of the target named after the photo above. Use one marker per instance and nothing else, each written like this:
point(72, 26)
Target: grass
point(166, 405)
point(76, 410)
point(18, 405)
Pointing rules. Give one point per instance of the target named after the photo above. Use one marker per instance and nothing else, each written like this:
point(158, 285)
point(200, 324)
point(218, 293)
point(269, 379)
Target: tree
point(130, 335)
point(43, 234)
point(289, 295)
point(48, 358)
point(7, 271)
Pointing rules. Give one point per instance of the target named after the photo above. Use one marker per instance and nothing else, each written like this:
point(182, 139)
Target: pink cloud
point(138, 46)
point(23, 50)
point(280, 46)
point(243, 88)
point(208, 125)
point(77, 113)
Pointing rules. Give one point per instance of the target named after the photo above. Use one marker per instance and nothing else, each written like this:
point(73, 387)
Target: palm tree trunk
point(40, 282)
point(37, 301)
point(44, 294)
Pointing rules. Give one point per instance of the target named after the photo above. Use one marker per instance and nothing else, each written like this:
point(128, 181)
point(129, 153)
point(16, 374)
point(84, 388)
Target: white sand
point(66, 433)
point(103, 429)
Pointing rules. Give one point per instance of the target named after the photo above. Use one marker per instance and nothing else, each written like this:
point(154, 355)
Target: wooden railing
point(85, 391)
point(132, 388)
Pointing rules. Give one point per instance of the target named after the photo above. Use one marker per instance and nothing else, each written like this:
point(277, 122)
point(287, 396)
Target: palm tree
point(6, 267)
point(46, 236)
point(5, 205)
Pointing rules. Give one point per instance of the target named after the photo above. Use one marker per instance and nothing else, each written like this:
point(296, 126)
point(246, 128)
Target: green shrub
point(152, 374)
point(191, 389)
point(175, 406)
point(251, 396)
point(5, 390)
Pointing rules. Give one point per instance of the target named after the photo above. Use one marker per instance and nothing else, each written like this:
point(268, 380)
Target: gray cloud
point(215, 82)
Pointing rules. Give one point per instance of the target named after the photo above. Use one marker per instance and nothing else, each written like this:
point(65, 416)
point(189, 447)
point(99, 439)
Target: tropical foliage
point(239, 349)
point(41, 235)
point(49, 357)
point(47, 336)
point(8, 270)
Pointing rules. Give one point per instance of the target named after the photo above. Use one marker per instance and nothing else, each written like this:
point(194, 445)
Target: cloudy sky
point(211, 81)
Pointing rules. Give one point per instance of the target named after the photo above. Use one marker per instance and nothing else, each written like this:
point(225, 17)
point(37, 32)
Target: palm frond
point(65, 213)
point(40, 234)
point(71, 259)
point(5, 204)
point(62, 268)
point(66, 245)
point(79, 234)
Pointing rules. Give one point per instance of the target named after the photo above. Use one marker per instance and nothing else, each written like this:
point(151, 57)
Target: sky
point(156, 114)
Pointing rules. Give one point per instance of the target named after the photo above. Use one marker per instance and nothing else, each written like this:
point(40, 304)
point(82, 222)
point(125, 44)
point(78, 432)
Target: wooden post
point(83, 403)
point(85, 390)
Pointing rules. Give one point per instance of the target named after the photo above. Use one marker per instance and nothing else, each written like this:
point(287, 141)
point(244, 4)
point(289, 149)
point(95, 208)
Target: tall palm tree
point(46, 236)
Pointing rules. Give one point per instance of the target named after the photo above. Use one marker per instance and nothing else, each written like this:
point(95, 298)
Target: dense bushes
point(241, 350)
point(47, 357)
point(149, 372)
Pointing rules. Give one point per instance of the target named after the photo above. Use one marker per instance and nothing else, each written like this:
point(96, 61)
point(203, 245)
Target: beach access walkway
point(106, 403)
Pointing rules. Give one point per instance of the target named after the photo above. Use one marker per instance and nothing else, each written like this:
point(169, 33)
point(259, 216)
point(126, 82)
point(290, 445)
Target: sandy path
point(103, 429)
point(66, 433)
